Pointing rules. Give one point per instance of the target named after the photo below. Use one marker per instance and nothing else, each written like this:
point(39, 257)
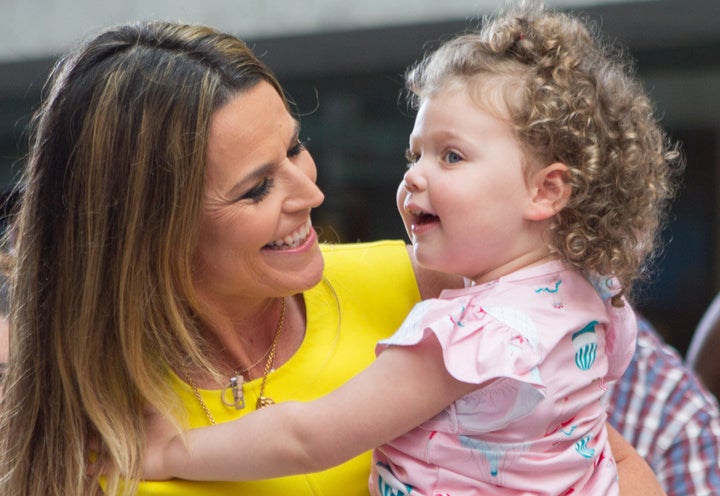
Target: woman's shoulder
point(382, 249)
point(376, 273)
point(386, 260)
point(377, 260)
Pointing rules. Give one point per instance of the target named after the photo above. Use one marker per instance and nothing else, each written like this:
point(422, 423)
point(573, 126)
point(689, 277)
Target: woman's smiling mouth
point(292, 240)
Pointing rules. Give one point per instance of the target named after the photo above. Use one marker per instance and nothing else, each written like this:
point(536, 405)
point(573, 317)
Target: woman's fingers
point(94, 461)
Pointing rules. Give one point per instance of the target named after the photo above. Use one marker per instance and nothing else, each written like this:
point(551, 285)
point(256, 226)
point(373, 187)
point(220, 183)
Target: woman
point(166, 258)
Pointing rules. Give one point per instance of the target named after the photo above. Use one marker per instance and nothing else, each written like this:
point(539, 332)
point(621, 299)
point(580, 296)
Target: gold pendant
point(236, 388)
point(263, 401)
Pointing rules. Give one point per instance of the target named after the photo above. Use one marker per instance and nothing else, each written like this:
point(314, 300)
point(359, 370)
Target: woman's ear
point(549, 192)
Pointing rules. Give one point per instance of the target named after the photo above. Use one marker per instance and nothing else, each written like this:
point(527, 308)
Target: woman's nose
point(304, 192)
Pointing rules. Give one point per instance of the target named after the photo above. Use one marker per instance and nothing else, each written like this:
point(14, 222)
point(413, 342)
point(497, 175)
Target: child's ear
point(549, 192)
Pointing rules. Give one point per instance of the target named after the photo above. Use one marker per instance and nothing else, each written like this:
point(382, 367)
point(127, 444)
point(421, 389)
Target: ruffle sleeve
point(479, 344)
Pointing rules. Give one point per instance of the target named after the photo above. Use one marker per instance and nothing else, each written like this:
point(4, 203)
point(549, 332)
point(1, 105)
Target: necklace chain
point(262, 401)
point(250, 367)
point(205, 408)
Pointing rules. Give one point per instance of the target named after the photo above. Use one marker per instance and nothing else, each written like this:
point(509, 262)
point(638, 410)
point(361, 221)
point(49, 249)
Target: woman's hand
point(635, 475)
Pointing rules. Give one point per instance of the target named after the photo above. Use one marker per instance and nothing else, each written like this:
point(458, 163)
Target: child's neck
point(514, 266)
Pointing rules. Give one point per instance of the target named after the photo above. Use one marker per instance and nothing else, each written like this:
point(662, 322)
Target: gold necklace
point(236, 384)
point(236, 381)
point(255, 364)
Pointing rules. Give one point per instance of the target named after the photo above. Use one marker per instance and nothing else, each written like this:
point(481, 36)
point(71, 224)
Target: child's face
point(464, 197)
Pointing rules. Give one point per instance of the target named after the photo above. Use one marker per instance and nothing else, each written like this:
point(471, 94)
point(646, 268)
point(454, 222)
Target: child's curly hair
point(574, 101)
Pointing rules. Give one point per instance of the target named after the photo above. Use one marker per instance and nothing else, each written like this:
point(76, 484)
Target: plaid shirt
point(663, 410)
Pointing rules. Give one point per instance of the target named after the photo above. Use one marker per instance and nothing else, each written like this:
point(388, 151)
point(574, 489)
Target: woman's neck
point(239, 338)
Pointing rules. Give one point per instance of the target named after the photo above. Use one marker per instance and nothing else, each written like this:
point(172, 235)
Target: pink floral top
point(541, 343)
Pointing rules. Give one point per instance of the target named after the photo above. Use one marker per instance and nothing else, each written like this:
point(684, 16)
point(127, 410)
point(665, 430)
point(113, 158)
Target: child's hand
point(161, 437)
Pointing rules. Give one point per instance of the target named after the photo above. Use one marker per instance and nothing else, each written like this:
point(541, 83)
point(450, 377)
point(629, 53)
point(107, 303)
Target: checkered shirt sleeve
point(663, 410)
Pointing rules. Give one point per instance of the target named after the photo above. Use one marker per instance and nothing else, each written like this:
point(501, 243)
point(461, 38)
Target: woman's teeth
point(292, 240)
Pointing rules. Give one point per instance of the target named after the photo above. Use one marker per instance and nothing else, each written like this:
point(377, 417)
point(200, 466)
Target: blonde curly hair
point(571, 99)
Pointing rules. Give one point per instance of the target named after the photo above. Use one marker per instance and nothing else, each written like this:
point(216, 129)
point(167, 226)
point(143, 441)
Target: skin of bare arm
point(169, 454)
point(294, 437)
point(635, 475)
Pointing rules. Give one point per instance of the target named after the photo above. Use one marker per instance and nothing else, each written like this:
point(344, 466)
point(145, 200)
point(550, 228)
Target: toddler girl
point(537, 172)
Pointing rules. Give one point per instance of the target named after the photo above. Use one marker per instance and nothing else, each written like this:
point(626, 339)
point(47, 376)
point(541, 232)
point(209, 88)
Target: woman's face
point(256, 240)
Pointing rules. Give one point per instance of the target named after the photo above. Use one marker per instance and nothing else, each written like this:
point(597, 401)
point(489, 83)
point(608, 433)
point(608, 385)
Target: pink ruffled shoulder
point(479, 344)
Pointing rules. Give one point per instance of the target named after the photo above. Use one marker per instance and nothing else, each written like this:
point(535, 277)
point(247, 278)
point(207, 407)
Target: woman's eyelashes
point(298, 147)
point(259, 191)
point(263, 187)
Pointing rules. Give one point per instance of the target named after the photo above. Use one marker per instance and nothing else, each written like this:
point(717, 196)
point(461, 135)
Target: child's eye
point(452, 157)
point(297, 148)
point(411, 157)
point(259, 191)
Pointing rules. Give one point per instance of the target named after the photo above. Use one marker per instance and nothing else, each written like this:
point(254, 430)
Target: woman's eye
point(452, 157)
point(259, 191)
point(297, 148)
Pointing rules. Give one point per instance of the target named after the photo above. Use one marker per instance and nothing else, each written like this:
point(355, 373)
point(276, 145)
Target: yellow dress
point(368, 290)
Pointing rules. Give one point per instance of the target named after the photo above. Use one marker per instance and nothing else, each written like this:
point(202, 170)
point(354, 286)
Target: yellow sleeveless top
point(368, 290)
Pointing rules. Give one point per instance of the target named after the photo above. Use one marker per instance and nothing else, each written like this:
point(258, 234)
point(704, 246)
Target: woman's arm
point(635, 476)
point(292, 437)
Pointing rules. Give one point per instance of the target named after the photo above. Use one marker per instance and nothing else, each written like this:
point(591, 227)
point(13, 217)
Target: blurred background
point(342, 63)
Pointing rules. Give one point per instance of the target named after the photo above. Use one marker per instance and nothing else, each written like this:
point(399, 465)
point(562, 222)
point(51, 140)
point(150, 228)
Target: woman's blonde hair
point(103, 303)
point(571, 100)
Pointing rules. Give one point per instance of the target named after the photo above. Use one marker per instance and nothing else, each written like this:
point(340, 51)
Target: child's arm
point(401, 389)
